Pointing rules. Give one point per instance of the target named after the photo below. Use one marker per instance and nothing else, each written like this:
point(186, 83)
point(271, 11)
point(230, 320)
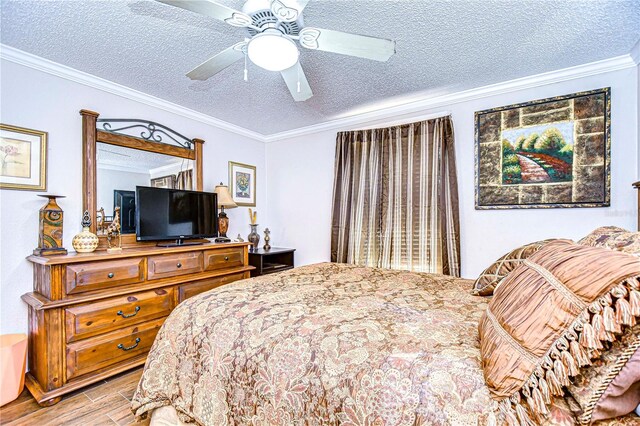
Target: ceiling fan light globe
point(273, 51)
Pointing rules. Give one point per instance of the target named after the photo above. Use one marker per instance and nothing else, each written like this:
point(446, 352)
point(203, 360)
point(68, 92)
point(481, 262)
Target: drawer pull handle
point(226, 258)
point(123, 315)
point(111, 275)
point(179, 265)
point(128, 348)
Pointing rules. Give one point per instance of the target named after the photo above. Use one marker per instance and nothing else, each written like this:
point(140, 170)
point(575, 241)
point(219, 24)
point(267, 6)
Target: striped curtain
point(184, 180)
point(395, 198)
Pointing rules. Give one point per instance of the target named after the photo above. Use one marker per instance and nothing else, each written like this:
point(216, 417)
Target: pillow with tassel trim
point(549, 318)
point(489, 279)
point(611, 386)
point(613, 238)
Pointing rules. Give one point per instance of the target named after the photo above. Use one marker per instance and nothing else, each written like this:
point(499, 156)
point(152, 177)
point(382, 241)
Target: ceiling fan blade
point(214, 10)
point(288, 10)
point(219, 62)
point(291, 77)
point(378, 49)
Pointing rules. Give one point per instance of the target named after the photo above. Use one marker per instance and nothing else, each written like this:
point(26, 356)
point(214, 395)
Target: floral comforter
point(323, 344)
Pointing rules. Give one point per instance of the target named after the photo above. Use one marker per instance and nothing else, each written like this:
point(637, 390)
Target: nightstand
point(268, 262)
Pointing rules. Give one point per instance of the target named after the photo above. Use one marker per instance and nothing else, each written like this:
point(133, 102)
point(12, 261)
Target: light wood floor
point(104, 403)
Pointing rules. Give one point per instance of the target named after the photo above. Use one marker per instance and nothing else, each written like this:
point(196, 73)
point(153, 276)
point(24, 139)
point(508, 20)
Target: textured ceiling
point(442, 47)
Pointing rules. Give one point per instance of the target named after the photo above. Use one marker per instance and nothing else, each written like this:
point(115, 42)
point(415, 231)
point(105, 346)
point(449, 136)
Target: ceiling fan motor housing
point(262, 17)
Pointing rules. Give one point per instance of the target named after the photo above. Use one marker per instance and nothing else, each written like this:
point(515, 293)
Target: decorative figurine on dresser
point(50, 233)
point(86, 241)
point(95, 315)
point(113, 232)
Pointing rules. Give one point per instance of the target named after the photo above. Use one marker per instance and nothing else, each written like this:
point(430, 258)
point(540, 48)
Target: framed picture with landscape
point(23, 158)
point(553, 152)
point(242, 183)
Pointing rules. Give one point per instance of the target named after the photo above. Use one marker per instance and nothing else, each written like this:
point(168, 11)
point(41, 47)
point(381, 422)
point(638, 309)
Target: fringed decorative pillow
point(611, 386)
point(614, 238)
point(549, 318)
point(490, 277)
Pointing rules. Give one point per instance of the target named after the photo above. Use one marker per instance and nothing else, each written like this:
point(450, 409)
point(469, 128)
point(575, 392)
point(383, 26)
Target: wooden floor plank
point(127, 384)
point(23, 406)
point(100, 408)
point(96, 391)
point(106, 403)
point(124, 417)
point(50, 415)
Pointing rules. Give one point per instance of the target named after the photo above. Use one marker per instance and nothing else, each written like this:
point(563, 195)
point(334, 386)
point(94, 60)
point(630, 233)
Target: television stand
point(180, 243)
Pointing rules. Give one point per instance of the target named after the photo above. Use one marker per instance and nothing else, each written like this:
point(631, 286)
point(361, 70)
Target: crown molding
point(430, 103)
point(635, 53)
point(41, 64)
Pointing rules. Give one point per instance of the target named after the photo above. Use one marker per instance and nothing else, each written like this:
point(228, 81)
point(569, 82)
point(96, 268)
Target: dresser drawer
point(107, 315)
point(93, 276)
point(223, 258)
point(170, 265)
point(109, 349)
point(186, 291)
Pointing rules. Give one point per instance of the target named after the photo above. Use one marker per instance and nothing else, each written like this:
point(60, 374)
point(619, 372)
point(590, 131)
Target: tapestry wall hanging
point(553, 152)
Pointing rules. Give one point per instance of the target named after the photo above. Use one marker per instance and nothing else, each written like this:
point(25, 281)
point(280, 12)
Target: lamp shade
point(224, 197)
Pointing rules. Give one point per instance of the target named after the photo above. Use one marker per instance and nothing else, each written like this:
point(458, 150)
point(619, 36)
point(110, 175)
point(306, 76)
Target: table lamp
point(225, 201)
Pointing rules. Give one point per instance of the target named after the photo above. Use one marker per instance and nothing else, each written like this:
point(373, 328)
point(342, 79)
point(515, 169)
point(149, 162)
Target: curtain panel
point(395, 198)
point(184, 180)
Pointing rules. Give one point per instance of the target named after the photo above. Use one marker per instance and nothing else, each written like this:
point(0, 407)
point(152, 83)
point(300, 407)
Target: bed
point(325, 344)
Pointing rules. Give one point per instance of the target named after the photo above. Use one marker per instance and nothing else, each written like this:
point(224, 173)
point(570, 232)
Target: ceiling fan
point(273, 28)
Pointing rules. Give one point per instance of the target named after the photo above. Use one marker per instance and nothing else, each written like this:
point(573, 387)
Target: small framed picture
point(242, 183)
point(23, 158)
point(163, 182)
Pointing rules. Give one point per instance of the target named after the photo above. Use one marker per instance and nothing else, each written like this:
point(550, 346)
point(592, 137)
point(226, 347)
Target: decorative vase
point(86, 241)
point(267, 238)
point(254, 237)
point(50, 234)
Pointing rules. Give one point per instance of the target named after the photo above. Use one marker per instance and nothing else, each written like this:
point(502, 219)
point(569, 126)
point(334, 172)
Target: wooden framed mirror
point(115, 161)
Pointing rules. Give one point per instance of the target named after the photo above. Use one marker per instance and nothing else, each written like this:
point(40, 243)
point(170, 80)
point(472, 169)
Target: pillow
point(611, 386)
point(490, 277)
point(549, 318)
point(614, 238)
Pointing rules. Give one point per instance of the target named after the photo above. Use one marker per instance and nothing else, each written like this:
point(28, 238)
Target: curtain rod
point(403, 121)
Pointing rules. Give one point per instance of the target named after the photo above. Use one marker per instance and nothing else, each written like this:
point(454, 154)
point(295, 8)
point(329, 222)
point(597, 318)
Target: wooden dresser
point(97, 314)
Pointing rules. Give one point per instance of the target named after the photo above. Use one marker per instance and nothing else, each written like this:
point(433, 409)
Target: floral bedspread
point(323, 344)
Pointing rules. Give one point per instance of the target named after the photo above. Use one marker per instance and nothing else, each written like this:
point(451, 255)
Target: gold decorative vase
point(86, 241)
point(50, 234)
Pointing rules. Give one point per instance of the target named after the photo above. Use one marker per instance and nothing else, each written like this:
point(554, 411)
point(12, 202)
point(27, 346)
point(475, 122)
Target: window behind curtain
point(395, 198)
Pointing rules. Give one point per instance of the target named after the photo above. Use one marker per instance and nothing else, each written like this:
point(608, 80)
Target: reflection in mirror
point(120, 170)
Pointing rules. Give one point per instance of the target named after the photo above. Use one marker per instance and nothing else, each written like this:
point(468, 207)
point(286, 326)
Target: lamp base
point(223, 224)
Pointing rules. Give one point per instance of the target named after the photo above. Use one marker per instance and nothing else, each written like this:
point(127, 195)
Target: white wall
point(108, 180)
point(300, 179)
point(34, 99)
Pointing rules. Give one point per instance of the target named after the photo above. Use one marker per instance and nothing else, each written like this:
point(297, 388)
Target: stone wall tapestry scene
point(551, 152)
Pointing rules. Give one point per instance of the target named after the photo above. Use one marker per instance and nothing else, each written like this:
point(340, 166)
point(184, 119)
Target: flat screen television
point(175, 214)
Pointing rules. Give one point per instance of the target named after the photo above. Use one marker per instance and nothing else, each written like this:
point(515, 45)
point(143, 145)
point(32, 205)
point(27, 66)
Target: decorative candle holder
point(50, 232)
point(267, 238)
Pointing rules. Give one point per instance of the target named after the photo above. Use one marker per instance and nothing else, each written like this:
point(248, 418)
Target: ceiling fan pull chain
point(246, 73)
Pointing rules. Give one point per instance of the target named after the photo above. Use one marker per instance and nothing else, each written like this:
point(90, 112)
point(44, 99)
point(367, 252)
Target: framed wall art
point(163, 182)
point(23, 158)
point(242, 183)
point(553, 152)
